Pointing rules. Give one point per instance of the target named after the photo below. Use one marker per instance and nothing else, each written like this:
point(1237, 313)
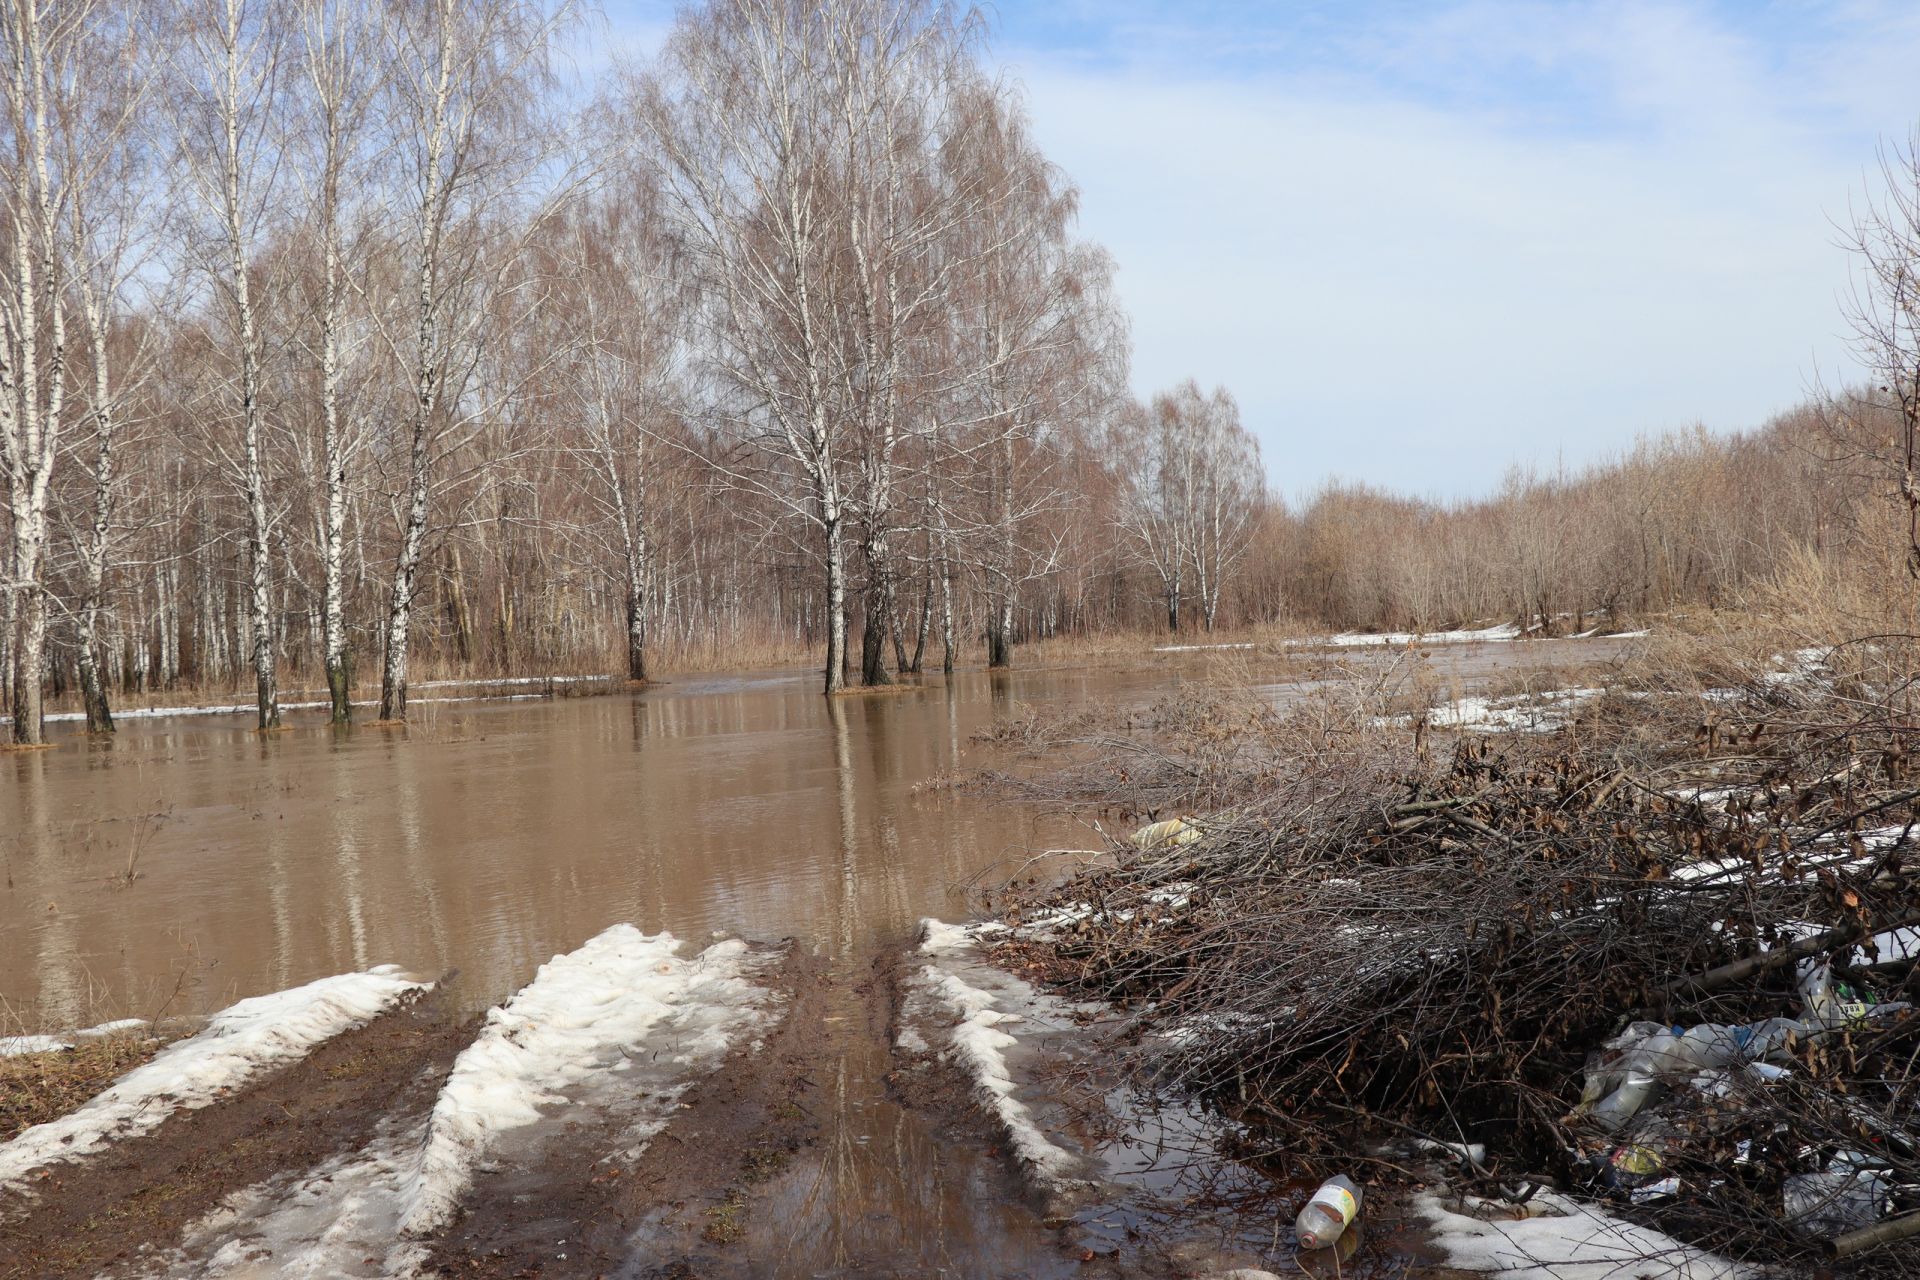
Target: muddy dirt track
point(84, 1219)
point(749, 1176)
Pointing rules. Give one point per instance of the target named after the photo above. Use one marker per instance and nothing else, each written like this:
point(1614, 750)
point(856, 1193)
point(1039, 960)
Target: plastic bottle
point(1614, 1111)
point(1324, 1217)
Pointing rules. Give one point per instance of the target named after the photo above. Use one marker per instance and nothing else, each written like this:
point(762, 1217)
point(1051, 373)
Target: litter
point(1170, 834)
point(1326, 1215)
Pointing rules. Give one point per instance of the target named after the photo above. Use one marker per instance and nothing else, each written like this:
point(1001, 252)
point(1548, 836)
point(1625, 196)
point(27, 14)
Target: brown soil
point(85, 1217)
point(575, 1210)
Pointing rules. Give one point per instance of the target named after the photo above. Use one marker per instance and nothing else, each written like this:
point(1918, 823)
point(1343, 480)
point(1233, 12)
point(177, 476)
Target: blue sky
point(1422, 242)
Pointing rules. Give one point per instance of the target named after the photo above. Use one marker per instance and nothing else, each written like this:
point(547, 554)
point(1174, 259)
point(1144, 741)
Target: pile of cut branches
point(1383, 934)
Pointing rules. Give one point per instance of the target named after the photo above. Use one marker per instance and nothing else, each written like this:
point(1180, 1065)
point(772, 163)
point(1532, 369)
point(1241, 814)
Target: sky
point(1422, 243)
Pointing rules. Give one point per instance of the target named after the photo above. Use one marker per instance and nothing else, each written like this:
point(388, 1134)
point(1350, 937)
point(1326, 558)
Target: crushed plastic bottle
point(1326, 1215)
point(1634, 1092)
point(1852, 1193)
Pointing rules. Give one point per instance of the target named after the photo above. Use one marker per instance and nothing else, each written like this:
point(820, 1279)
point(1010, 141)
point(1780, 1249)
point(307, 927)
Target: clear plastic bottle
point(1324, 1217)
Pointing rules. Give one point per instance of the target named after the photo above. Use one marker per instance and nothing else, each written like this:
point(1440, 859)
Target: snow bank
point(1565, 1240)
point(1197, 648)
point(1538, 713)
point(249, 708)
point(14, 1046)
point(1401, 639)
point(621, 1014)
point(339, 1219)
point(619, 1027)
point(236, 1046)
point(976, 1043)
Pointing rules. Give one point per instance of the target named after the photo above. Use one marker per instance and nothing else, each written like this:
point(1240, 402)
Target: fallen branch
point(1712, 980)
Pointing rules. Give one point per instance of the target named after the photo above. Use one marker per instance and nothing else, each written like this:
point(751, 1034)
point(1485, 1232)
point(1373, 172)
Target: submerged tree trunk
point(99, 712)
point(946, 614)
point(406, 567)
point(836, 603)
point(639, 572)
point(333, 622)
point(926, 624)
point(29, 651)
point(875, 611)
point(1000, 618)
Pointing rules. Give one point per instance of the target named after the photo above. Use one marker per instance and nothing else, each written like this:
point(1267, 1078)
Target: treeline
point(1685, 519)
point(342, 339)
point(343, 336)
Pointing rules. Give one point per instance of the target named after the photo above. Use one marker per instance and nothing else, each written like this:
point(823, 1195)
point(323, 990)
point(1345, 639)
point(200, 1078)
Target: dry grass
point(37, 1087)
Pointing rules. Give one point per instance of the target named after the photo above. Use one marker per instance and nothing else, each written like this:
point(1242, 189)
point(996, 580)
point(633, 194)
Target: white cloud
point(1420, 242)
point(1415, 280)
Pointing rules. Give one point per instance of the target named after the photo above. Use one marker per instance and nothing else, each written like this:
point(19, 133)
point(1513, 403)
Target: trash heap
point(1786, 1118)
point(1663, 956)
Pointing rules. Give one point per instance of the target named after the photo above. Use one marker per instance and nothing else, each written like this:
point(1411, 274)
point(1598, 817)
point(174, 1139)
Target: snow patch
point(1197, 648)
point(236, 1046)
point(1563, 1239)
point(977, 1045)
point(622, 1025)
point(340, 1219)
point(14, 1046)
point(1401, 639)
point(1537, 713)
point(623, 1015)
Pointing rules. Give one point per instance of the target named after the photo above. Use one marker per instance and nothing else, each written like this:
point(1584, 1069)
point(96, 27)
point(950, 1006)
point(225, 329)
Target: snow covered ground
point(1197, 648)
point(248, 708)
point(236, 1046)
point(1466, 635)
point(1563, 1239)
point(1530, 713)
point(1401, 639)
point(623, 1014)
point(617, 1029)
point(13, 1046)
point(962, 1007)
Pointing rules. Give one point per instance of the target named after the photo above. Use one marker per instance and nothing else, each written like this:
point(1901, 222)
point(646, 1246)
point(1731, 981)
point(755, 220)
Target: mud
point(576, 1211)
point(85, 1218)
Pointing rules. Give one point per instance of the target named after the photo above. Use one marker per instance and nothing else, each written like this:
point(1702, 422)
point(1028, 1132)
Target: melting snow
point(1539, 713)
point(237, 1045)
point(340, 1219)
point(977, 1045)
point(13, 1046)
point(1400, 639)
point(1566, 1240)
point(1197, 648)
point(589, 1018)
point(621, 1025)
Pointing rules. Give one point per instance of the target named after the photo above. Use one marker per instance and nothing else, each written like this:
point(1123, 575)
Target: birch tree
point(618, 316)
point(471, 131)
point(106, 153)
point(229, 72)
point(39, 44)
point(332, 121)
point(1191, 493)
point(1228, 490)
point(782, 134)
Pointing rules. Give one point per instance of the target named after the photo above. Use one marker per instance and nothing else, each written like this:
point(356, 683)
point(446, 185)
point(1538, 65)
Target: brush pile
point(1386, 939)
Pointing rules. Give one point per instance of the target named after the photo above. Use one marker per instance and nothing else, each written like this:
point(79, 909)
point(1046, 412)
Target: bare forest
point(348, 341)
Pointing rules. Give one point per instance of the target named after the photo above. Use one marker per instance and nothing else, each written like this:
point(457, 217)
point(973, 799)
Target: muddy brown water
point(489, 836)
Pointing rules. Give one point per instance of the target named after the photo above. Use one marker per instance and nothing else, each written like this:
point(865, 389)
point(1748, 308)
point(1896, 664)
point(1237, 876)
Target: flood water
point(487, 837)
